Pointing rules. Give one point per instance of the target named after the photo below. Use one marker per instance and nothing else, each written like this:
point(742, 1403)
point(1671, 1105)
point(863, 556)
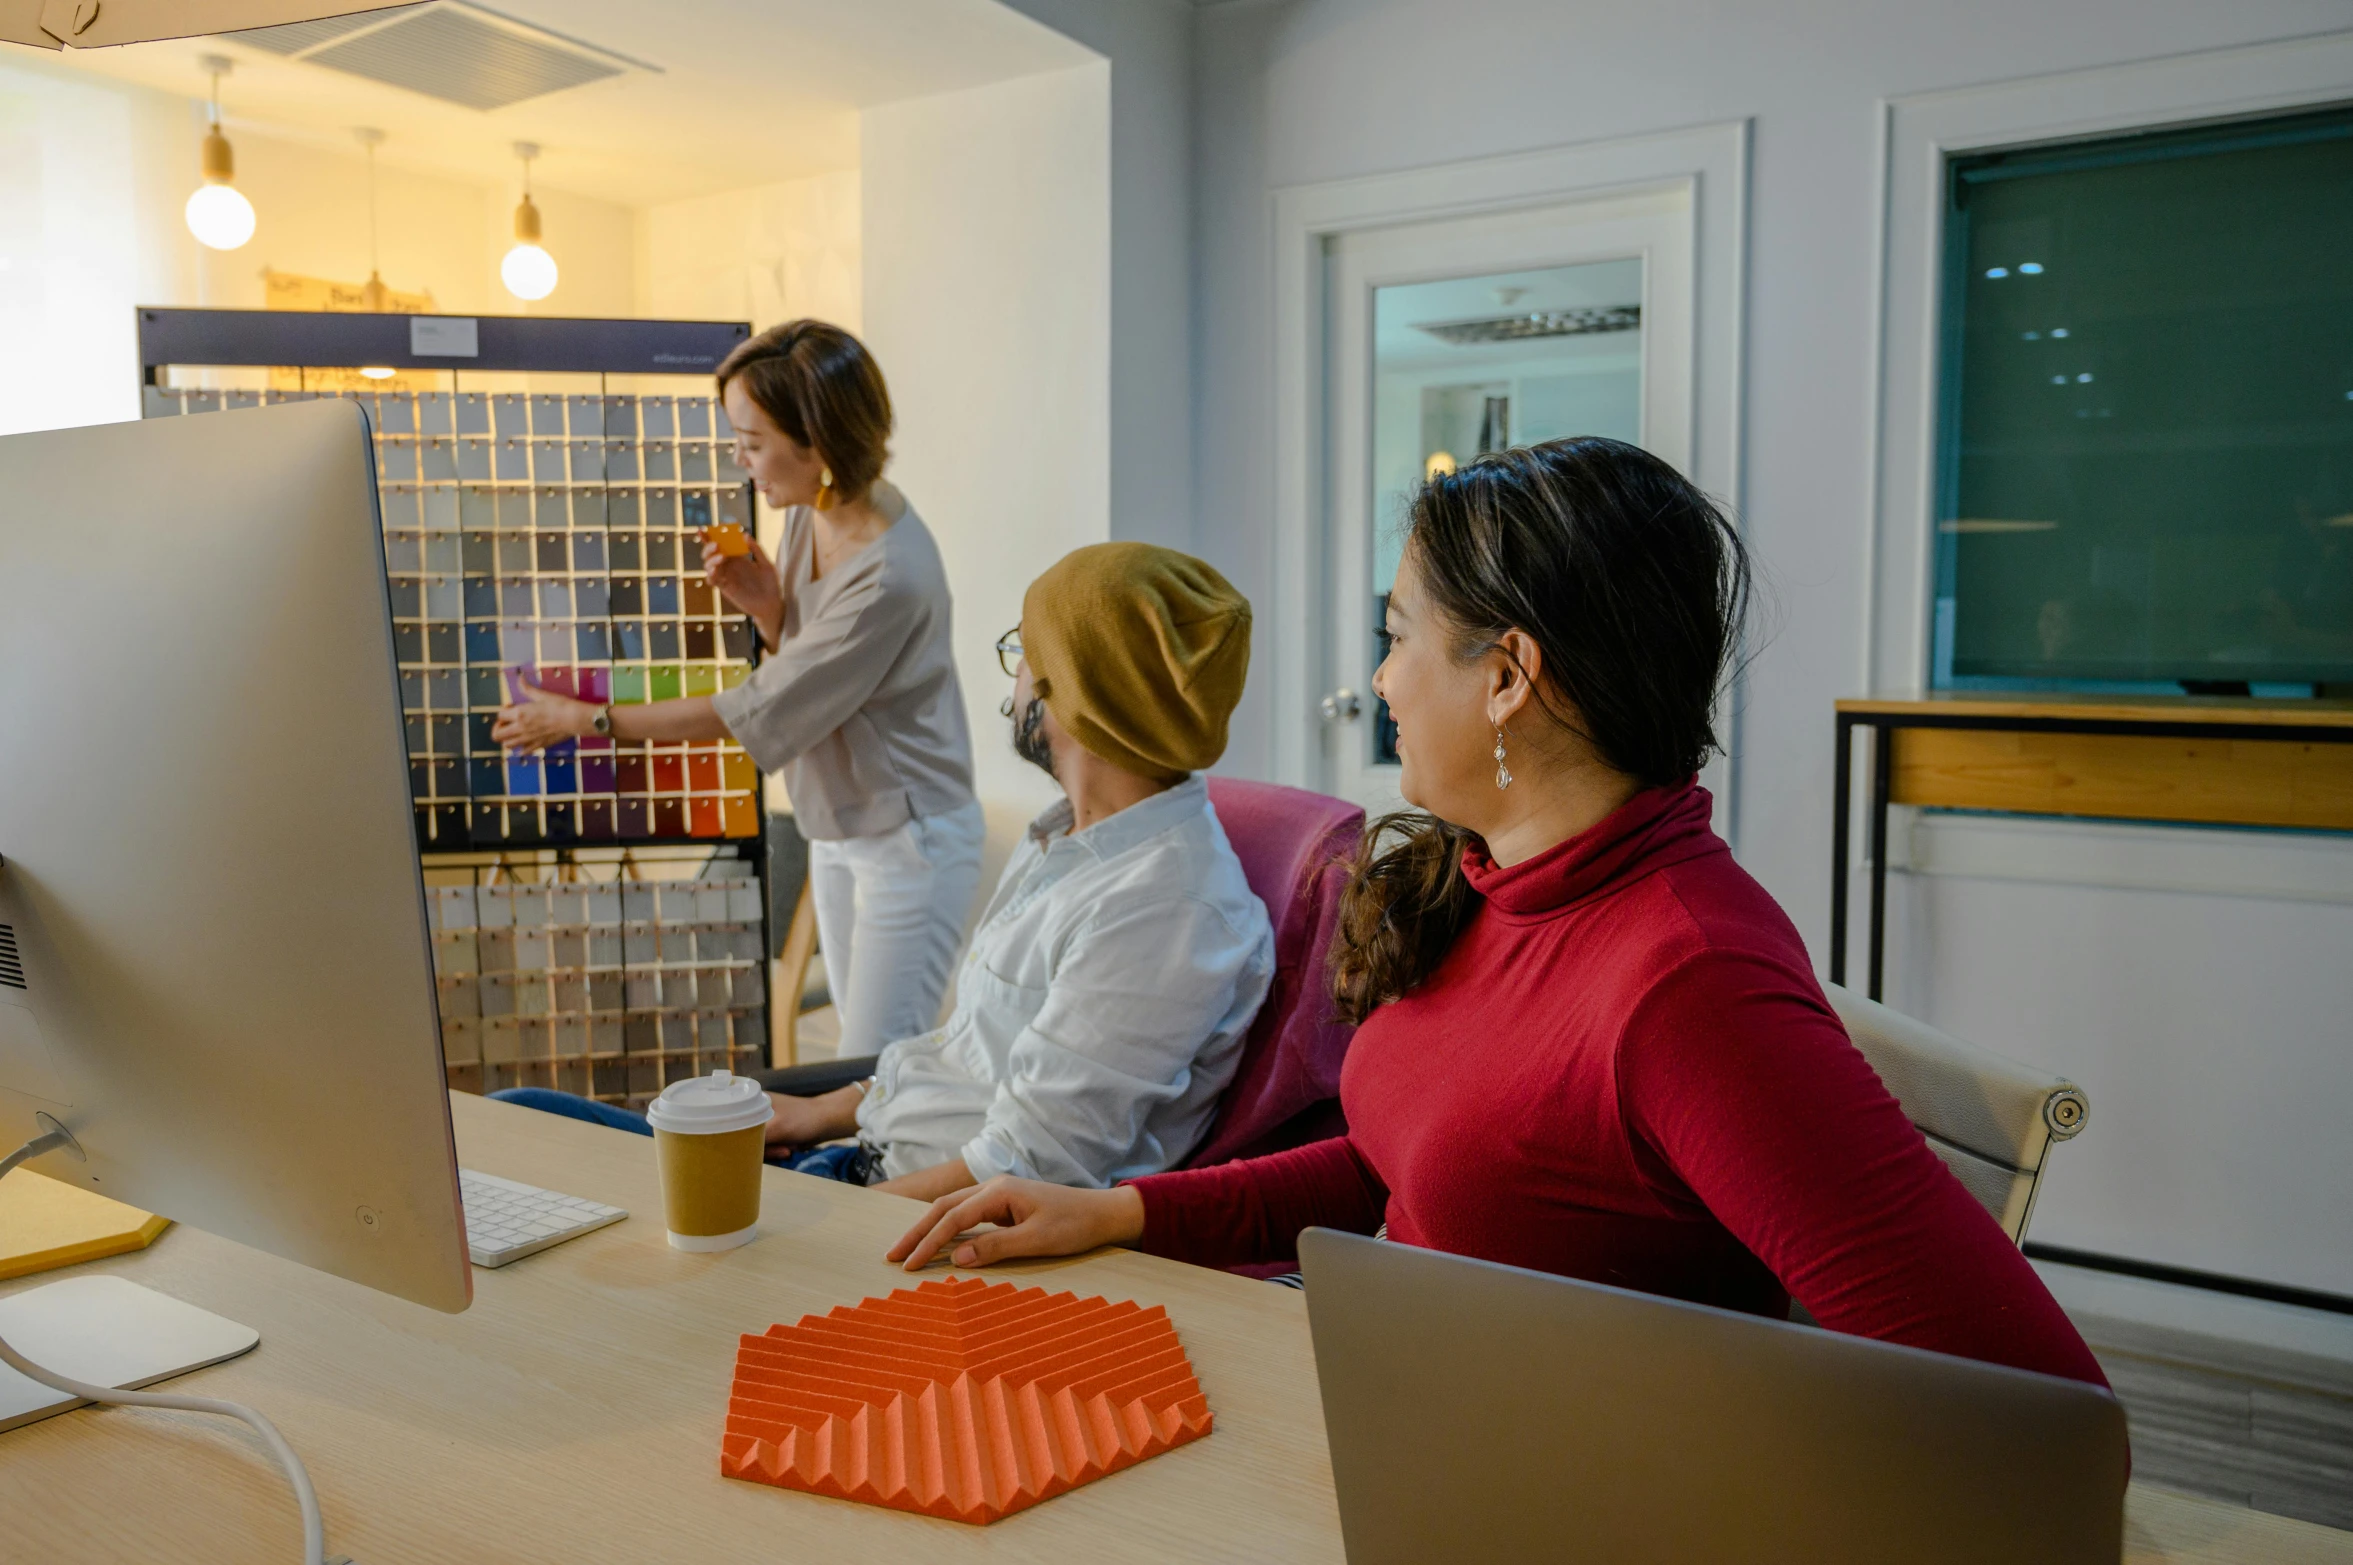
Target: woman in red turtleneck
point(1590, 1044)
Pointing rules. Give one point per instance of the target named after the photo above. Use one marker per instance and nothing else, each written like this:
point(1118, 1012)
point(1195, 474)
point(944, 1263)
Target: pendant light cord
point(374, 266)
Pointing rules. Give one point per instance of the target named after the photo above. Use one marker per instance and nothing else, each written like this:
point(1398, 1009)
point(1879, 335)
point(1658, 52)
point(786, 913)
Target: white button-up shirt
point(1100, 1011)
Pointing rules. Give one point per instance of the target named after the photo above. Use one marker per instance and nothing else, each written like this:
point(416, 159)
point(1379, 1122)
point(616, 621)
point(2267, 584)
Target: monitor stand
point(109, 1332)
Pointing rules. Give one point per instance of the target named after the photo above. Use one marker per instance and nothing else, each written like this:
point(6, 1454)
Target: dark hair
point(1634, 587)
point(824, 390)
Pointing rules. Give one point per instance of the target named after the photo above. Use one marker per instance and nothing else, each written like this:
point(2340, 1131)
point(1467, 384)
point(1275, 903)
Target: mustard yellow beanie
point(1140, 653)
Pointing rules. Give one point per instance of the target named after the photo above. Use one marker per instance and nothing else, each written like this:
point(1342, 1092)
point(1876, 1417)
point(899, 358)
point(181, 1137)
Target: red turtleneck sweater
point(1625, 1071)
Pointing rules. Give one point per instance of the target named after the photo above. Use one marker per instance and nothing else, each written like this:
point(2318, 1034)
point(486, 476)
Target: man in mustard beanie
point(1140, 653)
point(1101, 1010)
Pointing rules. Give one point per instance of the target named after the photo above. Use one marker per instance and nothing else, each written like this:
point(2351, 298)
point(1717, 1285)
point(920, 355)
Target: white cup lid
point(709, 1105)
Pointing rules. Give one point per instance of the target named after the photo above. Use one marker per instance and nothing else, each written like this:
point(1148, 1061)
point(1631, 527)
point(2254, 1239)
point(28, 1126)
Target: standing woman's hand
point(542, 718)
point(748, 581)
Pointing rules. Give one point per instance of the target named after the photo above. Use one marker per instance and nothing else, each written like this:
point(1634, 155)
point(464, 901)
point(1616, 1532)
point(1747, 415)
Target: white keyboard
point(506, 1221)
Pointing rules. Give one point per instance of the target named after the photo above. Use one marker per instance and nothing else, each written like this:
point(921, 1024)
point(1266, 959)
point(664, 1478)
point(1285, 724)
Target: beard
point(1029, 736)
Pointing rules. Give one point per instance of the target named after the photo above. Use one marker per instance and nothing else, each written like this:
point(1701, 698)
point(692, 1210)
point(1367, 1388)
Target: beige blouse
point(860, 707)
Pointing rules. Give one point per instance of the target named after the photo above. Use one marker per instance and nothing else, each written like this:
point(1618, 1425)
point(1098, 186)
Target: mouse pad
point(105, 1331)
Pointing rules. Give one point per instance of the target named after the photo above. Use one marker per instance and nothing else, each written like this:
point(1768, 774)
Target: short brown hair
point(824, 390)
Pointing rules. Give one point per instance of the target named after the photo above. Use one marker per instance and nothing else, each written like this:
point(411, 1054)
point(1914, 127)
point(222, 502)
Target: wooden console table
point(2213, 760)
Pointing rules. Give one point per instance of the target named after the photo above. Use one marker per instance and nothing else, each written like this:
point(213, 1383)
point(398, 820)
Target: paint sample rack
point(543, 484)
point(529, 533)
point(611, 989)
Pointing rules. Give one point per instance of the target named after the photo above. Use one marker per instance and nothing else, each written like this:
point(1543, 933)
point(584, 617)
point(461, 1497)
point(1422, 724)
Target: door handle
point(1342, 706)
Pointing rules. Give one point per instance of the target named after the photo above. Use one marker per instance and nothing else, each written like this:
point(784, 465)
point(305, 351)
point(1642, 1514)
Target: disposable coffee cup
point(710, 1133)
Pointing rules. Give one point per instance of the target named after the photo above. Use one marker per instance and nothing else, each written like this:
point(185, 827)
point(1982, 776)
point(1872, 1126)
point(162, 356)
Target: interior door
point(1474, 334)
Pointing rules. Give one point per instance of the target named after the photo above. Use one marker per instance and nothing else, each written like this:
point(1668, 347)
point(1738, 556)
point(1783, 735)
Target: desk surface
point(2240, 711)
point(573, 1413)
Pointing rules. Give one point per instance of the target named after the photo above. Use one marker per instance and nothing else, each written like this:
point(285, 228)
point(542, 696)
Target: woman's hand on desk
point(748, 581)
point(542, 718)
point(1032, 1218)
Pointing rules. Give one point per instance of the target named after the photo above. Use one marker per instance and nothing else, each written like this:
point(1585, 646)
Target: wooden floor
point(2238, 1399)
point(2256, 1426)
point(2162, 1527)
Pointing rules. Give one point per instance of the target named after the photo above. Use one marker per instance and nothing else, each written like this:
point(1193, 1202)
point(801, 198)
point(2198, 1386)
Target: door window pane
point(1468, 365)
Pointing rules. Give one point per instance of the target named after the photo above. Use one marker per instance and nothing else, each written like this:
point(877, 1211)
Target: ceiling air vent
point(12, 964)
point(459, 53)
point(1535, 323)
point(294, 37)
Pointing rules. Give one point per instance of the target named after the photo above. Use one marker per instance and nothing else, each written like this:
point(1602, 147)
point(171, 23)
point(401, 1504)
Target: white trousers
point(890, 916)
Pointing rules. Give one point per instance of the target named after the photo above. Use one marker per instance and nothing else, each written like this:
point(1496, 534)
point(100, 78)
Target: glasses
point(1009, 650)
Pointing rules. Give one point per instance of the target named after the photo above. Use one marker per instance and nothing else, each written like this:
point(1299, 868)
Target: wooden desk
point(2165, 1528)
point(2201, 759)
point(572, 1415)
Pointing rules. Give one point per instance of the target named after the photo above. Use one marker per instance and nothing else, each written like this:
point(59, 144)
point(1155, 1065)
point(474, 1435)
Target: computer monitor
point(215, 966)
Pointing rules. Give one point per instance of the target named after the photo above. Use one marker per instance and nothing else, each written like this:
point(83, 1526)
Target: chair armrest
point(815, 1080)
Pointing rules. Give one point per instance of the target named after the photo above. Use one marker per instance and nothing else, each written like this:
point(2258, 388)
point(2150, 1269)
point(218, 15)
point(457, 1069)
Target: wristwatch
point(603, 721)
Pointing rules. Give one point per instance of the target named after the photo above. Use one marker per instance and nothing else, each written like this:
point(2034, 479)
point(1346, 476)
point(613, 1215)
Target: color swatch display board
point(542, 517)
point(548, 535)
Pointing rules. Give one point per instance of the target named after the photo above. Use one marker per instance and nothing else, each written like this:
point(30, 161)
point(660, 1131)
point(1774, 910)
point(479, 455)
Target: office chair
point(1295, 849)
point(1993, 1120)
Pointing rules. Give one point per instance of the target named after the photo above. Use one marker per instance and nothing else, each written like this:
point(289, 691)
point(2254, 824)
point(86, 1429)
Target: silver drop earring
point(1502, 772)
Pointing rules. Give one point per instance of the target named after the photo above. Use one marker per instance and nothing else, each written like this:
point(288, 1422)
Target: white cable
point(314, 1536)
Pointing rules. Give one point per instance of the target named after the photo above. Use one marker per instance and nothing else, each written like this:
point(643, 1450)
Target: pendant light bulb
point(528, 270)
point(218, 213)
point(219, 216)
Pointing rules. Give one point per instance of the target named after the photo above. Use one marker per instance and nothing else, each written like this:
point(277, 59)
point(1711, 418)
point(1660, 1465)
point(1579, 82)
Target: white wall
point(1149, 46)
point(986, 263)
point(2212, 1035)
point(93, 174)
point(88, 229)
point(1323, 89)
point(768, 254)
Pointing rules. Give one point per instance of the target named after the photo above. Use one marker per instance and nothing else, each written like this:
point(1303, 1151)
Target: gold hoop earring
point(1502, 772)
point(825, 494)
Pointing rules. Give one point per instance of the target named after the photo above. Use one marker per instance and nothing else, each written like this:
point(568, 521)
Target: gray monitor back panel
point(225, 983)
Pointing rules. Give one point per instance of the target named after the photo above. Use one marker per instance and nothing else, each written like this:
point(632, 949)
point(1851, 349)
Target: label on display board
point(445, 336)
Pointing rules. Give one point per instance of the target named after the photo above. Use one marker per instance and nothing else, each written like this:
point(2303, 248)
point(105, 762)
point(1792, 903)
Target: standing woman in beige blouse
point(857, 703)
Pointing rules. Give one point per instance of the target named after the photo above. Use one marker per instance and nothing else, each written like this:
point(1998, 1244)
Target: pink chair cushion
point(1294, 847)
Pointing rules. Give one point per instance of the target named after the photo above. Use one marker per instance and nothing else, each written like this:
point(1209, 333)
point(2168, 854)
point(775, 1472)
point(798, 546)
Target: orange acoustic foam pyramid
point(960, 1399)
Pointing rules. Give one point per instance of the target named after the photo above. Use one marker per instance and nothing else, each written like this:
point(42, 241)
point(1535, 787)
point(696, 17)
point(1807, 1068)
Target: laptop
point(1482, 1412)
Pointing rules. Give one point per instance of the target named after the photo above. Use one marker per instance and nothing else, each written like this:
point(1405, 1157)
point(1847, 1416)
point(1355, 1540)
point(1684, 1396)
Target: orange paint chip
point(960, 1399)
